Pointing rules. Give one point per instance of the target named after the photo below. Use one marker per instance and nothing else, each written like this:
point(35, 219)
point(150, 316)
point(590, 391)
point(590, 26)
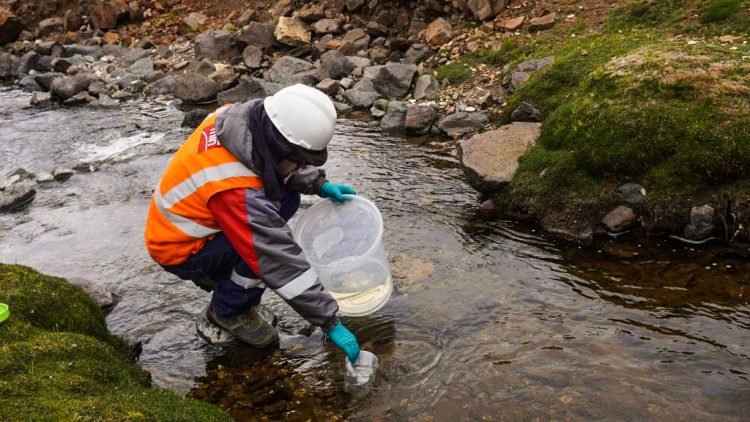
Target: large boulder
point(459, 124)
point(486, 9)
point(107, 14)
point(427, 86)
point(286, 67)
point(490, 159)
point(258, 34)
point(10, 26)
point(394, 79)
point(335, 65)
point(419, 118)
point(395, 117)
point(215, 44)
point(195, 89)
point(362, 94)
point(292, 31)
point(244, 91)
point(438, 32)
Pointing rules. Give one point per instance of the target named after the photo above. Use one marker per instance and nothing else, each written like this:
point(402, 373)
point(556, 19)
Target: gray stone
point(29, 84)
point(206, 67)
point(105, 101)
point(419, 118)
point(61, 65)
point(526, 113)
point(309, 78)
point(41, 99)
point(8, 65)
point(126, 80)
point(225, 77)
point(28, 62)
point(283, 69)
point(215, 44)
point(153, 76)
point(194, 118)
point(115, 50)
point(394, 79)
point(45, 79)
point(270, 87)
point(49, 26)
point(97, 88)
point(490, 159)
point(101, 296)
point(44, 48)
point(195, 89)
point(335, 65)
point(16, 196)
point(142, 66)
point(359, 61)
point(132, 56)
point(620, 219)
point(93, 51)
point(258, 34)
point(632, 193)
point(486, 9)
point(379, 54)
point(371, 72)
point(701, 223)
point(66, 87)
point(427, 86)
point(438, 32)
point(379, 108)
point(244, 91)
point(79, 98)
point(342, 109)
point(395, 117)
point(164, 86)
point(63, 174)
point(347, 83)
point(327, 26)
point(459, 124)
point(252, 56)
point(362, 94)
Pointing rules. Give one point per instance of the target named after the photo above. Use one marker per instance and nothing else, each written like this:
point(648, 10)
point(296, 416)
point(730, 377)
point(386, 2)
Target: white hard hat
point(304, 115)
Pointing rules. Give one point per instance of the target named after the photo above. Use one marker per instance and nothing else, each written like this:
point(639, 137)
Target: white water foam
point(120, 148)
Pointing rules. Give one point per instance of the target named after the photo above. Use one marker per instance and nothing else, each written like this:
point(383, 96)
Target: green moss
point(60, 363)
point(649, 13)
point(455, 72)
point(718, 10)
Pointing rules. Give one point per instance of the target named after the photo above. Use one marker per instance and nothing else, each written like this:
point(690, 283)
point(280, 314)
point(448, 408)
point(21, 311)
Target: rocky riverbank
point(506, 71)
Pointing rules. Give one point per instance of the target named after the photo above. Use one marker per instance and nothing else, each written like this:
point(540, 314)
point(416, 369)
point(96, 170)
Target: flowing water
point(487, 321)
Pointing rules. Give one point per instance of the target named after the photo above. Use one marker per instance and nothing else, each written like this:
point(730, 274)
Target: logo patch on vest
point(208, 139)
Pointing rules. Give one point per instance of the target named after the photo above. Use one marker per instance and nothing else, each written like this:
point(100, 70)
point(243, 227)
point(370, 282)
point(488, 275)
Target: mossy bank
point(659, 96)
point(59, 362)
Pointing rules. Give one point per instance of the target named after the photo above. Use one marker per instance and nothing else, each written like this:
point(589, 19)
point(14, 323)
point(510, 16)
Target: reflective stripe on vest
point(190, 186)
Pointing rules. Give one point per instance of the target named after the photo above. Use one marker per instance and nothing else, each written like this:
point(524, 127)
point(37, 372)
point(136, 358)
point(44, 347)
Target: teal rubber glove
point(343, 338)
point(336, 191)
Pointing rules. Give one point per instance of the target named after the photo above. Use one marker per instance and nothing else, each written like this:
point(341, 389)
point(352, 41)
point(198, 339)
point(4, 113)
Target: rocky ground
point(436, 67)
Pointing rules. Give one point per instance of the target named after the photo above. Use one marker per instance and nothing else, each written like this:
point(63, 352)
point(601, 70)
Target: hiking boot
point(247, 327)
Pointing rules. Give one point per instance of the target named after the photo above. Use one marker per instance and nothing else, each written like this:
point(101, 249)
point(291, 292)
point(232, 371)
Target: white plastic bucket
point(344, 244)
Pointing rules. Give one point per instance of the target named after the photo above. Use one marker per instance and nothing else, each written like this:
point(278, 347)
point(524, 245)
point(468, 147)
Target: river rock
point(205, 67)
point(61, 64)
point(354, 41)
point(246, 90)
point(16, 196)
point(362, 94)
point(45, 79)
point(701, 223)
point(194, 22)
point(342, 109)
point(215, 44)
point(126, 80)
point(44, 48)
point(327, 26)
point(252, 56)
point(395, 117)
point(620, 219)
point(335, 65)
point(394, 79)
point(28, 84)
point(151, 77)
point(79, 98)
point(292, 31)
point(632, 193)
point(8, 65)
point(101, 296)
point(523, 71)
point(142, 66)
point(312, 12)
point(194, 118)
point(132, 56)
point(105, 101)
point(526, 113)
point(195, 89)
point(330, 86)
point(66, 87)
point(284, 68)
point(354, 5)
point(438, 32)
point(164, 86)
point(258, 34)
point(419, 118)
point(107, 13)
point(225, 77)
point(379, 108)
point(28, 62)
point(115, 51)
point(490, 159)
point(427, 86)
point(543, 23)
point(49, 26)
point(459, 124)
point(41, 99)
point(10, 26)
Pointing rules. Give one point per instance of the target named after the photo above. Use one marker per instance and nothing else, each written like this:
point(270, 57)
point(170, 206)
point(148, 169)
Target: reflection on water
point(488, 320)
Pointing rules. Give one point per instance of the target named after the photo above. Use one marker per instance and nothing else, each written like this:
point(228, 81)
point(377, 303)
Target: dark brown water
point(488, 321)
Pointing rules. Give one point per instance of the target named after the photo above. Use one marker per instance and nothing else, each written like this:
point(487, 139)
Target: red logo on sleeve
point(208, 139)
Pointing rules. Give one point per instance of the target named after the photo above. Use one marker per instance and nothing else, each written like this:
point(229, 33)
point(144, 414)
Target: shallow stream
point(488, 320)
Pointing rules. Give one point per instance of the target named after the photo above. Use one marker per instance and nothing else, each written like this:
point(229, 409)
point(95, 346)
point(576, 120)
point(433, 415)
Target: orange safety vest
point(179, 221)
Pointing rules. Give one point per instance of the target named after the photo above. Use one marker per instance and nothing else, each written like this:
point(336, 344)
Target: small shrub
point(718, 10)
